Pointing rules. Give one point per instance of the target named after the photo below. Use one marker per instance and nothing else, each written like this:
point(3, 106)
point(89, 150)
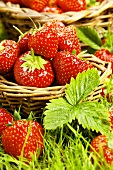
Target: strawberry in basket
point(9, 52)
point(13, 1)
point(68, 65)
point(44, 41)
point(33, 70)
point(72, 5)
point(37, 5)
point(68, 39)
point(53, 9)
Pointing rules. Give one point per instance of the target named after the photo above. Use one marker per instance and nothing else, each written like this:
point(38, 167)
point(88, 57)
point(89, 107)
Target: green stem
point(21, 33)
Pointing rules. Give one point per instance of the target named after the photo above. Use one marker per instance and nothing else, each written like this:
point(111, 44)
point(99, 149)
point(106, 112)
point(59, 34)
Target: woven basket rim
point(18, 12)
point(98, 64)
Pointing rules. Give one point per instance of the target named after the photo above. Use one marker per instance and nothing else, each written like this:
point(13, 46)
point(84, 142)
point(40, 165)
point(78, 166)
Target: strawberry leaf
point(93, 116)
point(58, 112)
point(89, 36)
point(82, 86)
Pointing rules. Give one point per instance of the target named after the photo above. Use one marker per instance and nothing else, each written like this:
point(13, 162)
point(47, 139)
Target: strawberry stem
point(21, 33)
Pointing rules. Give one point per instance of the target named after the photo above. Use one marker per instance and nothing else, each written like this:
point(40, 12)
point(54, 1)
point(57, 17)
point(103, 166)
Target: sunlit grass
point(61, 151)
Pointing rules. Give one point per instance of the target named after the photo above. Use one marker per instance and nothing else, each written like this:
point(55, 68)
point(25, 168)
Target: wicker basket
point(11, 14)
point(34, 99)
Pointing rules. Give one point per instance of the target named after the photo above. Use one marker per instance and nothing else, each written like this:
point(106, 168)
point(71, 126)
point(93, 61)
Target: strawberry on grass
point(101, 145)
point(5, 119)
point(33, 70)
point(23, 138)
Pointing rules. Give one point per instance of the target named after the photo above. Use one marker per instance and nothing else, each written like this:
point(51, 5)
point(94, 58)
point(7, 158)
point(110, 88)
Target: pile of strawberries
point(54, 6)
point(44, 56)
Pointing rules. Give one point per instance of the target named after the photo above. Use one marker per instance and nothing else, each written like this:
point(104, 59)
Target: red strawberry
point(23, 138)
point(52, 3)
point(100, 143)
point(68, 65)
point(44, 42)
point(5, 119)
point(55, 25)
point(9, 52)
point(23, 42)
point(37, 5)
point(105, 55)
point(53, 9)
point(13, 1)
point(72, 5)
point(68, 40)
point(30, 70)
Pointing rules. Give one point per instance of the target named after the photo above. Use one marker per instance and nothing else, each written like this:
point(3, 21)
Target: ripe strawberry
point(5, 119)
point(52, 3)
point(44, 42)
point(55, 25)
point(9, 52)
point(100, 143)
point(35, 4)
point(23, 138)
point(53, 9)
point(67, 65)
point(72, 5)
point(13, 1)
point(68, 40)
point(30, 70)
point(23, 42)
point(105, 55)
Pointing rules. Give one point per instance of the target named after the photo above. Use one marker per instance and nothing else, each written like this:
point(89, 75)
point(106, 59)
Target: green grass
point(61, 152)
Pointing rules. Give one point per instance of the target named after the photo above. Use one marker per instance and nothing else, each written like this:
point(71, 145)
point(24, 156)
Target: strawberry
point(5, 119)
point(13, 1)
point(105, 55)
point(100, 145)
point(55, 25)
point(9, 52)
point(31, 70)
point(23, 42)
point(67, 65)
point(52, 3)
point(44, 42)
point(53, 9)
point(23, 138)
point(72, 5)
point(35, 4)
point(68, 39)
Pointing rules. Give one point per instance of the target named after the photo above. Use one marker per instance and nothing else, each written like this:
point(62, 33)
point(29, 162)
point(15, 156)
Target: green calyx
point(1, 47)
point(33, 62)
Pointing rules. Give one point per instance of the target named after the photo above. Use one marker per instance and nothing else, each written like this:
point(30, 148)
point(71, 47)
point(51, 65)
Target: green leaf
point(58, 112)
point(89, 36)
point(93, 116)
point(33, 62)
point(82, 86)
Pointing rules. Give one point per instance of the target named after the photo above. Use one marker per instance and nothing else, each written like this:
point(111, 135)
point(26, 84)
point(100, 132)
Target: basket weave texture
point(11, 14)
point(34, 99)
